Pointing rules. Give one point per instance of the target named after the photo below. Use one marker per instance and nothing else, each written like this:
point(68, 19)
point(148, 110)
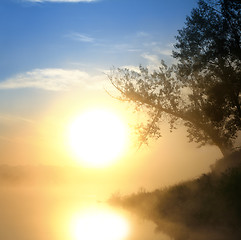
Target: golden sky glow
point(43, 138)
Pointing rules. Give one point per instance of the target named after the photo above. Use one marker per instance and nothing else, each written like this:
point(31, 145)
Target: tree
point(203, 91)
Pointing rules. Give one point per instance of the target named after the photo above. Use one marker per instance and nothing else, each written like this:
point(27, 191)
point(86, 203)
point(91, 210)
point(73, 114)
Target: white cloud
point(152, 59)
point(165, 52)
point(158, 47)
point(132, 68)
point(80, 37)
point(68, 1)
point(52, 79)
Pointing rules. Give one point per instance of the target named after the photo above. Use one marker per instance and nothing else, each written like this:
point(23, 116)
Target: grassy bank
point(208, 207)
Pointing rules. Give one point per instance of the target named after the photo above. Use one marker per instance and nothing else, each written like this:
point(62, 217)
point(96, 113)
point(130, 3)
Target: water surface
point(67, 214)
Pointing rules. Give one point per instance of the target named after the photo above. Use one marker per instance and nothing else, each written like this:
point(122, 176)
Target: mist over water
point(38, 212)
point(69, 203)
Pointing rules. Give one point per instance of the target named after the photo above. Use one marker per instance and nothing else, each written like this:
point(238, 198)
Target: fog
point(39, 212)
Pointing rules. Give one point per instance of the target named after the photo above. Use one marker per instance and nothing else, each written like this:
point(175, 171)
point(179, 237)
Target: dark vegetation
point(208, 207)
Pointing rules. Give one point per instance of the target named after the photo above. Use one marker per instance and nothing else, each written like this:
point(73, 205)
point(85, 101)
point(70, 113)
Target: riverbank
point(208, 207)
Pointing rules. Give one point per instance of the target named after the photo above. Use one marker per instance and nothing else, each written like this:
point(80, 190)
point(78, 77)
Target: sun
point(97, 137)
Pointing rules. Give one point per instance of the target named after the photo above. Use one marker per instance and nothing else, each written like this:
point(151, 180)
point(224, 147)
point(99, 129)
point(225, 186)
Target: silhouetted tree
point(203, 91)
point(210, 47)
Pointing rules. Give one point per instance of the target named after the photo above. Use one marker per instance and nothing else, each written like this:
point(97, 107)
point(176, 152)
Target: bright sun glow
point(98, 137)
point(99, 224)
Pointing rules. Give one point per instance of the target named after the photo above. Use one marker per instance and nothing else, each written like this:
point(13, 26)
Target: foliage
point(204, 90)
point(209, 54)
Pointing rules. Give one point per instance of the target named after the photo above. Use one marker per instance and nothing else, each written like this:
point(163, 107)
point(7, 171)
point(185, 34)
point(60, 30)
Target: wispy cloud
point(52, 79)
point(132, 68)
point(165, 52)
point(67, 1)
point(80, 37)
point(151, 58)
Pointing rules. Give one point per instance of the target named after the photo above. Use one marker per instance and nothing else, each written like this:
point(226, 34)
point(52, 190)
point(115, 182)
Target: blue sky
point(87, 35)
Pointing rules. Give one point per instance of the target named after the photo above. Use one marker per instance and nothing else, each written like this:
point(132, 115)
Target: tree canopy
point(203, 90)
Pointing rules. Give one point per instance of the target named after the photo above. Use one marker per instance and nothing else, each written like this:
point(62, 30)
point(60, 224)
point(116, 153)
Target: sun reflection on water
point(98, 223)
